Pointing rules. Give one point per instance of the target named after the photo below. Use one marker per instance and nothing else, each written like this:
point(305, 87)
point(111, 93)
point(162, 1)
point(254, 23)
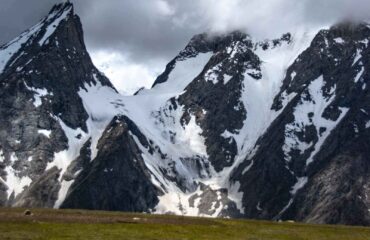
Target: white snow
point(38, 94)
point(258, 95)
point(14, 181)
point(191, 136)
point(237, 47)
point(339, 40)
point(64, 158)
point(248, 168)
point(227, 78)
point(365, 42)
point(330, 125)
point(8, 51)
point(45, 132)
point(292, 76)
point(101, 104)
point(301, 118)
point(357, 57)
point(258, 207)
point(150, 111)
point(316, 107)
point(301, 182)
point(184, 73)
point(236, 195)
point(54, 24)
point(359, 74)
point(213, 74)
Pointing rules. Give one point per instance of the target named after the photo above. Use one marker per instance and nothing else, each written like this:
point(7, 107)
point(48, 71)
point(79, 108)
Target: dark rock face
point(117, 178)
point(337, 170)
point(39, 88)
point(209, 97)
point(42, 192)
point(208, 206)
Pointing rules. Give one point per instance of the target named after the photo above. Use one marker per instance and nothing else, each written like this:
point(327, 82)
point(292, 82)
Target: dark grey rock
point(117, 179)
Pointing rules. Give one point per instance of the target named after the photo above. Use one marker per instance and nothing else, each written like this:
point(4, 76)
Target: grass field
point(77, 224)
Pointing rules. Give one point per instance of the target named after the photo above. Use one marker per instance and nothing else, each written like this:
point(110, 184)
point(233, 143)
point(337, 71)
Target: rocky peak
point(271, 44)
point(213, 43)
point(42, 75)
point(206, 43)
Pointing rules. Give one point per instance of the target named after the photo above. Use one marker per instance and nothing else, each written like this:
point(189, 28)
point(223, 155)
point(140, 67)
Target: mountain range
point(233, 127)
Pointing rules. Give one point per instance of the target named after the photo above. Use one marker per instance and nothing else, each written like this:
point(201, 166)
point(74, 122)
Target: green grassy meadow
point(77, 224)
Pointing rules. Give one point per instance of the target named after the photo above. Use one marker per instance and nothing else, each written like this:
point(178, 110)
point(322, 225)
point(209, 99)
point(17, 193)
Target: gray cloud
point(18, 15)
point(148, 33)
point(156, 29)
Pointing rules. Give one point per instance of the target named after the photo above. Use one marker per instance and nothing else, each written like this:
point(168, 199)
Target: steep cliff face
point(294, 166)
point(117, 175)
point(232, 128)
point(43, 116)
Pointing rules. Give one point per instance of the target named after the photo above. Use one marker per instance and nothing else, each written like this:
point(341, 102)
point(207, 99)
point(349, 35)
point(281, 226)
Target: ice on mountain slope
point(9, 50)
point(339, 40)
point(144, 109)
point(330, 126)
point(300, 183)
point(188, 144)
point(157, 121)
point(102, 103)
point(14, 181)
point(357, 57)
point(258, 95)
point(63, 159)
point(38, 94)
point(309, 112)
point(58, 16)
point(193, 138)
point(359, 74)
point(44, 132)
point(213, 74)
point(313, 102)
point(184, 72)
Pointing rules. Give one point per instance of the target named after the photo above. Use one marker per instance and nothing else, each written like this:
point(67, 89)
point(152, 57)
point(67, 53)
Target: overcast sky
point(132, 40)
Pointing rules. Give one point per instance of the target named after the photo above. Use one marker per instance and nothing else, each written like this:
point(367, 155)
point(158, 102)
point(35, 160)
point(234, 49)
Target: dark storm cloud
point(145, 29)
point(156, 29)
point(18, 15)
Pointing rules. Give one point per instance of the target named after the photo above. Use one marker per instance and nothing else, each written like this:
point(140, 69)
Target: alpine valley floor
point(81, 224)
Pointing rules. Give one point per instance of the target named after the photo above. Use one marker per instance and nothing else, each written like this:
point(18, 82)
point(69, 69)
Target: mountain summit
point(233, 127)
